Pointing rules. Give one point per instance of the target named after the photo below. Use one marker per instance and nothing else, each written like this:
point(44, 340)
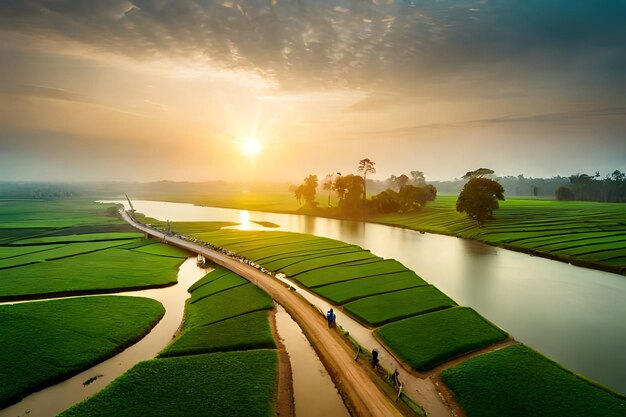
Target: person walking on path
point(330, 318)
point(374, 358)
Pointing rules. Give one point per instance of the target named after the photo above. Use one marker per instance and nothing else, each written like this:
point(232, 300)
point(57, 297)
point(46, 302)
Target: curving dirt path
point(361, 394)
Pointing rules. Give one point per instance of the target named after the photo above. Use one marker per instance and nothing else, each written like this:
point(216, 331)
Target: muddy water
point(574, 315)
point(54, 399)
point(313, 390)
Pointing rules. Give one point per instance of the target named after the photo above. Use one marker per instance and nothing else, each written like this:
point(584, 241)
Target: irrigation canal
point(574, 315)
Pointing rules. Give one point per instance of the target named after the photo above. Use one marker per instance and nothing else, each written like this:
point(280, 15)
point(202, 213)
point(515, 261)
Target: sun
point(250, 147)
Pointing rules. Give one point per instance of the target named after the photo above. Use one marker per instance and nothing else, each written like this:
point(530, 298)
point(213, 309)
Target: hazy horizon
point(169, 90)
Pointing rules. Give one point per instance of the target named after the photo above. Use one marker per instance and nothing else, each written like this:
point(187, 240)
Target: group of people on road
point(331, 319)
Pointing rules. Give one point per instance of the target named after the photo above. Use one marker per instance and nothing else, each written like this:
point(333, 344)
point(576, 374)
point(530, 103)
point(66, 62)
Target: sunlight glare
point(250, 147)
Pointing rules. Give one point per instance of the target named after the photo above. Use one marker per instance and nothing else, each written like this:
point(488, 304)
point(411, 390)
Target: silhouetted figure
point(330, 317)
point(396, 380)
point(374, 358)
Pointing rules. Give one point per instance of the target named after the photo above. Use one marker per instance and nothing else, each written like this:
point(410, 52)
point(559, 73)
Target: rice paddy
point(584, 233)
point(223, 363)
point(48, 341)
point(73, 246)
point(517, 381)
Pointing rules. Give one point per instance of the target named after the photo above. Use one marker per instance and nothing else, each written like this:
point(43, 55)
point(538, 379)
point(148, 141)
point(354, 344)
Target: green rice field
point(74, 246)
point(48, 341)
point(225, 312)
point(516, 381)
point(584, 233)
point(428, 340)
point(234, 384)
point(223, 363)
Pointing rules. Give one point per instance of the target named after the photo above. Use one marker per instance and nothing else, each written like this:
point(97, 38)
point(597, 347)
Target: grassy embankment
point(224, 362)
point(62, 247)
point(588, 234)
point(46, 342)
point(425, 328)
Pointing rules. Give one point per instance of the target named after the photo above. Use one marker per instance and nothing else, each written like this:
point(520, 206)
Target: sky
point(169, 89)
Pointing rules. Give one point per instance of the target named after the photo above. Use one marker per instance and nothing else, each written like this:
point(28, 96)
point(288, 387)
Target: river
point(574, 315)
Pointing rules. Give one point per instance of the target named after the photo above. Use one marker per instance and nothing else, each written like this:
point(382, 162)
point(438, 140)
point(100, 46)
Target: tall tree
point(328, 185)
point(366, 166)
point(479, 198)
point(418, 178)
point(307, 190)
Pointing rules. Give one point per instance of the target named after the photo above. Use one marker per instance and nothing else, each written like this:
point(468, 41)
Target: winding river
point(574, 315)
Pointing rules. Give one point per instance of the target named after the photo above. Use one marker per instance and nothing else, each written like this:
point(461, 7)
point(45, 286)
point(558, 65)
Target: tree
point(307, 190)
point(479, 173)
point(479, 198)
point(564, 194)
point(418, 178)
point(401, 181)
point(349, 189)
point(328, 185)
point(366, 166)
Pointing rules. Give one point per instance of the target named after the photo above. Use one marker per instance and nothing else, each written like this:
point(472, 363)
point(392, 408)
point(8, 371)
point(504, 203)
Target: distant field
point(48, 341)
point(76, 246)
point(586, 233)
point(518, 382)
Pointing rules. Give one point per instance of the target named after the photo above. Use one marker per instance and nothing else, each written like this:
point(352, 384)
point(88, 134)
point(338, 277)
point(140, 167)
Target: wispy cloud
point(559, 118)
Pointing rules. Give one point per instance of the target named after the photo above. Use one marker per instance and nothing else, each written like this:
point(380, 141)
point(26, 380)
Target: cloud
point(402, 46)
point(558, 118)
point(46, 93)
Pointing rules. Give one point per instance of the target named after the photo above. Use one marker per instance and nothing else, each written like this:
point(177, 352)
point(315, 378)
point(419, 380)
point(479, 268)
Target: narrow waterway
point(313, 390)
point(56, 398)
point(574, 315)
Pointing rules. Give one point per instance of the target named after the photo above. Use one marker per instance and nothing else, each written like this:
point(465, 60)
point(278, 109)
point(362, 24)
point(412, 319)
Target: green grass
point(233, 384)
point(346, 272)
point(223, 283)
point(59, 252)
point(105, 269)
point(227, 304)
point(244, 332)
point(398, 305)
point(527, 224)
point(517, 381)
point(427, 340)
point(346, 291)
point(163, 250)
point(46, 342)
point(87, 237)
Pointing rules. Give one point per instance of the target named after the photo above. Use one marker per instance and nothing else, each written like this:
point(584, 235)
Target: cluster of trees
point(583, 187)
point(403, 193)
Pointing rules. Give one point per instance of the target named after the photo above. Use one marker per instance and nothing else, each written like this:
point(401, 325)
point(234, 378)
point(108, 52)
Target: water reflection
point(574, 315)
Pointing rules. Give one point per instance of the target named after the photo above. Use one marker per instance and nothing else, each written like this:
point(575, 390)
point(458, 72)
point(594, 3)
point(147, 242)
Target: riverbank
point(550, 229)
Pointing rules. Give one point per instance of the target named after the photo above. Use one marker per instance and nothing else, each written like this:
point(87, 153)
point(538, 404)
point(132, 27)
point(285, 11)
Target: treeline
point(519, 185)
point(38, 191)
point(402, 193)
point(583, 187)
